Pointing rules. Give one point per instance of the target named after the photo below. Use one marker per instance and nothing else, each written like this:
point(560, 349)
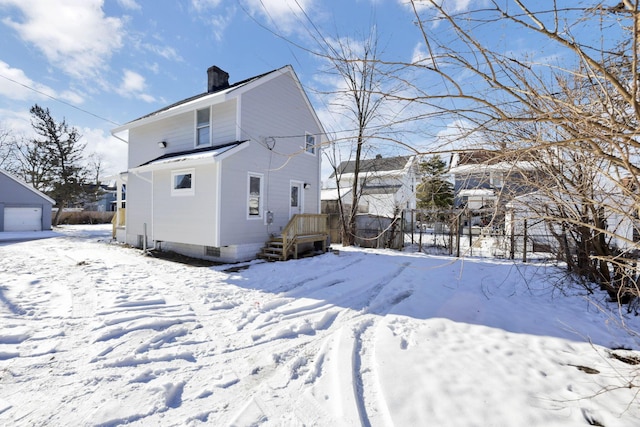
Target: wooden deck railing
point(304, 228)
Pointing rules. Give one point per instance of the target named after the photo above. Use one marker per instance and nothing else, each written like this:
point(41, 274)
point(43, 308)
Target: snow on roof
point(471, 192)
point(495, 167)
point(380, 189)
point(374, 166)
point(332, 193)
point(196, 154)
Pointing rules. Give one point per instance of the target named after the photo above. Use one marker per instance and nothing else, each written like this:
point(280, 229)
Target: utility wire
point(59, 100)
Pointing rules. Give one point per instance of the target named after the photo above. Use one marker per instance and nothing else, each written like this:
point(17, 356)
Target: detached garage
point(23, 208)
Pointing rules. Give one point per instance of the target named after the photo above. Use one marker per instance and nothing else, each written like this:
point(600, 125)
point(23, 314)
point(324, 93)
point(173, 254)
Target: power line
point(59, 100)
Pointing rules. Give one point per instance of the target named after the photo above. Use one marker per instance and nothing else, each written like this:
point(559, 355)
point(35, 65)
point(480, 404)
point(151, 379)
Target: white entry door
point(296, 206)
point(23, 219)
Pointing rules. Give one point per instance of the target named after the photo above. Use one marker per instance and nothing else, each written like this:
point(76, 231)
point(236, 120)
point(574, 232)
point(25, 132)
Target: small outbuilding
point(22, 207)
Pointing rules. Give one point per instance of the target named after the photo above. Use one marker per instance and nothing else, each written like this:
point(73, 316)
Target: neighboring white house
point(215, 175)
point(386, 184)
point(22, 207)
point(542, 213)
point(483, 177)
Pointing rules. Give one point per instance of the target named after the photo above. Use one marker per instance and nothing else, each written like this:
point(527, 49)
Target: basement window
point(212, 251)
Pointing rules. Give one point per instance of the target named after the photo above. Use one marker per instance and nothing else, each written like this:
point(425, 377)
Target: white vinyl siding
point(188, 220)
point(179, 132)
point(139, 206)
point(262, 114)
point(224, 122)
point(235, 225)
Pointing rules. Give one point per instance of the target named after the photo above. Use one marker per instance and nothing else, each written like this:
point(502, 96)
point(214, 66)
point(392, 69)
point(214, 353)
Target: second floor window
point(310, 143)
point(203, 127)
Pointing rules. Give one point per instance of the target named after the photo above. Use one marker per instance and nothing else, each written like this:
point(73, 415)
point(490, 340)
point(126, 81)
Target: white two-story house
point(215, 175)
point(386, 184)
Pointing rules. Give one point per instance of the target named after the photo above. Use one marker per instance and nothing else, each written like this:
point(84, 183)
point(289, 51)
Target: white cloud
point(132, 82)
point(74, 35)
point(220, 23)
point(285, 14)
point(450, 5)
point(22, 88)
point(134, 85)
point(459, 134)
point(201, 5)
point(166, 52)
point(129, 4)
point(111, 151)
point(71, 97)
point(18, 122)
point(420, 55)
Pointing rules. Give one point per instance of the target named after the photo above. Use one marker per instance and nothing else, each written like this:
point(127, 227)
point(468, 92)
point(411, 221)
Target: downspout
point(218, 227)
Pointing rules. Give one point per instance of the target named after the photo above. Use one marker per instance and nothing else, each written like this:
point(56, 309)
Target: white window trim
point(314, 147)
point(261, 202)
point(183, 191)
point(195, 140)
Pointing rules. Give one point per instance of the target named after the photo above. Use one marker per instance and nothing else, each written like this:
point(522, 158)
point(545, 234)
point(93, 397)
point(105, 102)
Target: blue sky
point(99, 63)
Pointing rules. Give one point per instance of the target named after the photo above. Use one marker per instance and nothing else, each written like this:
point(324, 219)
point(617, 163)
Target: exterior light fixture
point(307, 185)
point(162, 144)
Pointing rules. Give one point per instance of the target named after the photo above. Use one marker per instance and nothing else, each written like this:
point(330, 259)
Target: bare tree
point(361, 99)
point(94, 168)
point(572, 112)
point(364, 97)
point(8, 147)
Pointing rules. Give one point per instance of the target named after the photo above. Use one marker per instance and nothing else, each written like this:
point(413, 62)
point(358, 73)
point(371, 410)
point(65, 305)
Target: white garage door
point(22, 219)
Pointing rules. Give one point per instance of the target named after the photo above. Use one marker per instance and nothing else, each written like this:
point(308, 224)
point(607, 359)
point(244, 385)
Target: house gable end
point(207, 98)
point(28, 187)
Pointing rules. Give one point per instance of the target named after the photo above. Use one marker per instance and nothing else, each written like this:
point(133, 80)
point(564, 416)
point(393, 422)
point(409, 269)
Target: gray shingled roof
point(193, 151)
point(192, 98)
point(378, 164)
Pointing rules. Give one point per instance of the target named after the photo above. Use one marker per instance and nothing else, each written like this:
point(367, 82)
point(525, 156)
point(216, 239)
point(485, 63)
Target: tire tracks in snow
point(365, 382)
point(316, 309)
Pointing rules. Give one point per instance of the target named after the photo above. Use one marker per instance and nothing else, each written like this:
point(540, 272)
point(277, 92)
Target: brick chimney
point(216, 79)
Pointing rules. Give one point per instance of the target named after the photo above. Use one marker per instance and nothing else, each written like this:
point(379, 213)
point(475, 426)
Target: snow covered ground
point(93, 333)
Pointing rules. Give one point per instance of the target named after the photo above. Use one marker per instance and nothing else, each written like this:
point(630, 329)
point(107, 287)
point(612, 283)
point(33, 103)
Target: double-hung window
point(254, 201)
point(203, 127)
point(310, 143)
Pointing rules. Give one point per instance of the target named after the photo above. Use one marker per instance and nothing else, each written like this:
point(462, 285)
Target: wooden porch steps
point(272, 250)
point(302, 229)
